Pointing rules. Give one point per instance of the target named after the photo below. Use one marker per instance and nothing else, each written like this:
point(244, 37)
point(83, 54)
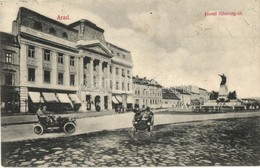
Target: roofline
point(7, 33)
point(89, 23)
point(52, 20)
point(118, 47)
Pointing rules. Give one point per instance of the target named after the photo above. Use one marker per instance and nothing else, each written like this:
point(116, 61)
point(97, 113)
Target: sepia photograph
point(130, 83)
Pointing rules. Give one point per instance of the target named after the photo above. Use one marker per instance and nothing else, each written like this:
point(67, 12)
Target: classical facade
point(10, 72)
point(67, 66)
point(147, 92)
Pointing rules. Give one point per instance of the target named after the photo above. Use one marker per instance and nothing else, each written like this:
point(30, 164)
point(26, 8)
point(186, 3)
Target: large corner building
point(70, 66)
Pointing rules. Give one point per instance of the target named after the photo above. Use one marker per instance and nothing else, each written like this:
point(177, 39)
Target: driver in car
point(137, 112)
point(43, 113)
point(150, 115)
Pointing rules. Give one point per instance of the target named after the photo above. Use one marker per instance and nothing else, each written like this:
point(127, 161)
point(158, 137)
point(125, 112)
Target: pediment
point(98, 49)
point(94, 45)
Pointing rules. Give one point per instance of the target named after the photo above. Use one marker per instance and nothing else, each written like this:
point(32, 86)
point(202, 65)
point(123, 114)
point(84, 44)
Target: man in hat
point(41, 112)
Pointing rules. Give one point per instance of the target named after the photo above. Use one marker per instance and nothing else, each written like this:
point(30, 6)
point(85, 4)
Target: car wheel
point(38, 129)
point(69, 128)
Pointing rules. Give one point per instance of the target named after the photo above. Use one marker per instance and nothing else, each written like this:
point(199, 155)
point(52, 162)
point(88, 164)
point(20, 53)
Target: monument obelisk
point(223, 90)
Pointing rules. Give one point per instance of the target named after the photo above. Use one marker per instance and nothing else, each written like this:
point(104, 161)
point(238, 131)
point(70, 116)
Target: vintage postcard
point(130, 83)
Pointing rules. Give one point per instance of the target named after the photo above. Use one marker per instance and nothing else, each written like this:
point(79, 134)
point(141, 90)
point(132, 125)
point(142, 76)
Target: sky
point(171, 41)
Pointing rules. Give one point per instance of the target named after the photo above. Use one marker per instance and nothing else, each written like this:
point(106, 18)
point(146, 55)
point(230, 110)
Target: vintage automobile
point(144, 123)
point(65, 124)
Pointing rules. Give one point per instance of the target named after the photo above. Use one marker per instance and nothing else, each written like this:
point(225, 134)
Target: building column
point(114, 77)
point(120, 78)
point(80, 72)
point(108, 78)
point(100, 75)
point(102, 102)
point(24, 99)
point(91, 74)
point(23, 65)
point(54, 68)
point(131, 80)
point(66, 70)
point(39, 63)
point(81, 86)
point(109, 101)
point(126, 81)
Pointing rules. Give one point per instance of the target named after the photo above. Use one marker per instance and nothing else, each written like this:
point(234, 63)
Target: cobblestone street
point(214, 142)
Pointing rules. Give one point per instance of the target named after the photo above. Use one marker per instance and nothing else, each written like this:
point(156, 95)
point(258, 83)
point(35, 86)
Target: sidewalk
point(32, 118)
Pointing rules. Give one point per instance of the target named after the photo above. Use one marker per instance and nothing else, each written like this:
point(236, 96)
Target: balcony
point(31, 61)
point(60, 67)
point(73, 69)
point(46, 64)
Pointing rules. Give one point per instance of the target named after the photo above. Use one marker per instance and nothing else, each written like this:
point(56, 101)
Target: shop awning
point(74, 98)
point(49, 97)
point(63, 97)
point(130, 99)
point(35, 97)
point(119, 99)
point(114, 100)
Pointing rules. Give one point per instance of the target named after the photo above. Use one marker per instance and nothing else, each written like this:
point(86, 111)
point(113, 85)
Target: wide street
point(111, 122)
point(225, 142)
point(214, 139)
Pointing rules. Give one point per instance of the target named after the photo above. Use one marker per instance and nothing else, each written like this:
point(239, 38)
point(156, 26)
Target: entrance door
point(88, 100)
point(97, 103)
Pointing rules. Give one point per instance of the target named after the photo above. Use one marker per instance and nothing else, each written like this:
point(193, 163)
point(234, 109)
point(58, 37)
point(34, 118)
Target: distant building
point(196, 94)
point(170, 99)
point(10, 72)
point(147, 92)
point(69, 67)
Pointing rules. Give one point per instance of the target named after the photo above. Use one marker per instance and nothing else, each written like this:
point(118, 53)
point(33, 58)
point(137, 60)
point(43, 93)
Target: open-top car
point(45, 124)
point(143, 123)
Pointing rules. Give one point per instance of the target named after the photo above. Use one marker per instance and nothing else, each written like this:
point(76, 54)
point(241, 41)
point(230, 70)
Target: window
point(37, 26)
point(8, 57)
point(117, 71)
point(112, 51)
point(118, 54)
point(123, 86)
point(60, 58)
point(123, 55)
point(60, 78)
point(46, 55)
point(128, 86)
point(123, 72)
point(117, 85)
point(85, 80)
point(31, 74)
point(72, 80)
point(52, 31)
point(8, 79)
point(72, 61)
point(111, 84)
point(31, 51)
point(65, 35)
point(47, 76)
point(110, 69)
